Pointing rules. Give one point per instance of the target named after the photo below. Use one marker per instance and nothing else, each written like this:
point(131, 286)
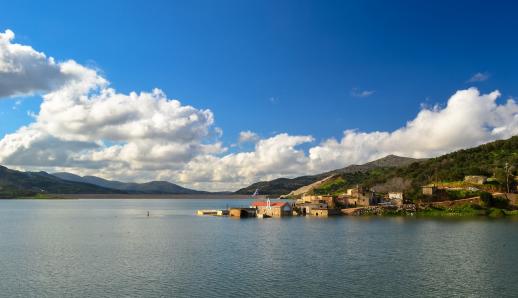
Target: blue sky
point(233, 57)
point(299, 67)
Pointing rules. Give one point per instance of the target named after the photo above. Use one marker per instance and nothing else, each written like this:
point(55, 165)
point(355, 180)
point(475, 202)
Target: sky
point(215, 95)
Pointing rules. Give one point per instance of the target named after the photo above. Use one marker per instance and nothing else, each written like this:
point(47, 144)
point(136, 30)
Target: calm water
point(108, 248)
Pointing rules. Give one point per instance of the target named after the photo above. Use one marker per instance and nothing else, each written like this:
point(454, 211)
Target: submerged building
point(275, 209)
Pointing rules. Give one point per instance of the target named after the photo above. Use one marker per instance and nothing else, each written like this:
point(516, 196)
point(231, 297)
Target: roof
point(265, 204)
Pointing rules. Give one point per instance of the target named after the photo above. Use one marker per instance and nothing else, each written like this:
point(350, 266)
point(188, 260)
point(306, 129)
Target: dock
point(212, 212)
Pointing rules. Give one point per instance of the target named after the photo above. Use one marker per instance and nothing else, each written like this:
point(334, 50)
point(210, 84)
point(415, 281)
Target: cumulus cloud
point(272, 157)
point(24, 70)
point(83, 123)
point(478, 77)
point(468, 119)
point(87, 127)
point(248, 136)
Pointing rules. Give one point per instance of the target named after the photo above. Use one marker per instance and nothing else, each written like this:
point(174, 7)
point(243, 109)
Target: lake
point(107, 248)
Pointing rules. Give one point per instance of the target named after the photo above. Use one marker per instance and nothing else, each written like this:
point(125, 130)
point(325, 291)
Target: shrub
point(497, 202)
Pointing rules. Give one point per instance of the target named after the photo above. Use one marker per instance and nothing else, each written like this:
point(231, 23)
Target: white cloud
point(468, 119)
point(25, 71)
point(272, 157)
point(362, 93)
point(248, 136)
point(17, 104)
point(478, 77)
point(87, 127)
point(82, 123)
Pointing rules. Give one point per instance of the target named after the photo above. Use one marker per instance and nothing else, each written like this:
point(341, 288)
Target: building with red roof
point(272, 209)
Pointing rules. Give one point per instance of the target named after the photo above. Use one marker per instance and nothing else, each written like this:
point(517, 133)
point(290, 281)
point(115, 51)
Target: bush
point(461, 194)
point(497, 202)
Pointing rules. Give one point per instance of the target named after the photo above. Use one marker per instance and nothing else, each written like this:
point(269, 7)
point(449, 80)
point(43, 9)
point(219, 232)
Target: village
point(362, 201)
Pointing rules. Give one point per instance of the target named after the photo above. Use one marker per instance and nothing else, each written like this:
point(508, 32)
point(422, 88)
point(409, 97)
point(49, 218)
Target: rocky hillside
point(284, 186)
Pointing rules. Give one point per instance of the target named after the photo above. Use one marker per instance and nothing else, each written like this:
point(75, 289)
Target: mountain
point(488, 160)
point(154, 187)
point(283, 186)
point(16, 183)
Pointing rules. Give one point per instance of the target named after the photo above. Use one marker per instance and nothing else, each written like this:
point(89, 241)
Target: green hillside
point(282, 186)
point(19, 184)
point(488, 159)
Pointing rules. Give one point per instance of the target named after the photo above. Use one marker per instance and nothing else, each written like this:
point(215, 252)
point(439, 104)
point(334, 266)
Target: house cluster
point(361, 197)
point(263, 209)
point(326, 205)
point(316, 205)
point(312, 205)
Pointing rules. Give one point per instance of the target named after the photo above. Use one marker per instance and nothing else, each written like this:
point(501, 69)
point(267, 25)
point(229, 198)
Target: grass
point(38, 196)
point(466, 210)
point(462, 210)
point(511, 212)
point(333, 187)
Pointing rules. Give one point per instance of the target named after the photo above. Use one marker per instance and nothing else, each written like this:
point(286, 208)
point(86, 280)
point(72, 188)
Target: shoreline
point(130, 197)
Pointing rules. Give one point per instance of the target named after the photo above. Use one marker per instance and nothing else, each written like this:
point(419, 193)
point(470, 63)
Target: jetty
point(213, 212)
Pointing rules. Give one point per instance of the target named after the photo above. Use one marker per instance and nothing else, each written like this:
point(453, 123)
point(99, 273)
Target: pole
point(507, 175)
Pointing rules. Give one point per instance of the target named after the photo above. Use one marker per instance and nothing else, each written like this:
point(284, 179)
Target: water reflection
point(111, 248)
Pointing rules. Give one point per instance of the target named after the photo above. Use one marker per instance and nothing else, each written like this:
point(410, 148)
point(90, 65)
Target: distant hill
point(154, 187)
point(488, 160)
point(283, 186)
point(16, 183)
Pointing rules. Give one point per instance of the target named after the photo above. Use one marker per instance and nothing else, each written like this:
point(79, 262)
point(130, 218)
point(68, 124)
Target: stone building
point(475, 179)
point(395, 198)
point(429, 190)
point(307, 208)
point(358, 197)
point(242, 212)
point(319, 212)
point(276, 209)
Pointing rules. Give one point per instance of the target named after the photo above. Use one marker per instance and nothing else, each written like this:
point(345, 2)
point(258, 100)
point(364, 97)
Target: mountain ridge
point(152, 187)
point(15, 183)
point(282, 186)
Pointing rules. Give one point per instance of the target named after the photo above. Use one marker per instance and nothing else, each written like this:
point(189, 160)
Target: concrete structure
point(212, 212)
point(276, 209)
point(357, 197)
point(395, 198)
point(324, 212)
point(207, 212)
point(429, 190)
point(319, 212)
point(329, 200)
point(475, 179)
point(360, 201)
point(242, 212)
point(306, 208)
point(354, 191)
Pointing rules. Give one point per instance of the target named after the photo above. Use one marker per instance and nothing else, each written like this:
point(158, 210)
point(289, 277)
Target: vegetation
point(283, 186)
point(463, 210)
point(16, 184)
point(488, 160)
point(490, 201)
point(331, 187)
